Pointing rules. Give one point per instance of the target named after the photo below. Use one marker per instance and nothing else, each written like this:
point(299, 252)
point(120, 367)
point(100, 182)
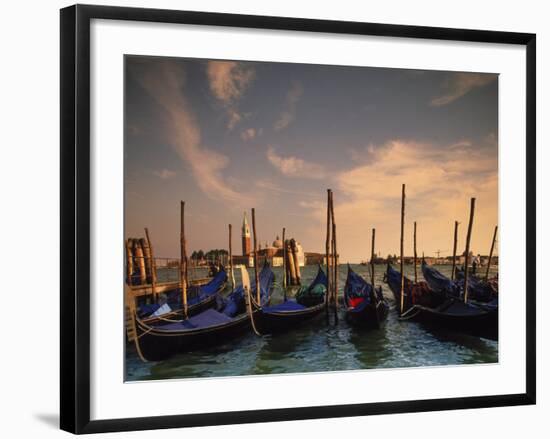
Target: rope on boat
point(145, 333)
point(250, 313)
point(136, 338)
point(405, 315)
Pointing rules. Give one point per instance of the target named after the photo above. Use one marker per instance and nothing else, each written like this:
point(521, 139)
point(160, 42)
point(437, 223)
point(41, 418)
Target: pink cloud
point(228, 82)
point(292, 166)
point(248, 134)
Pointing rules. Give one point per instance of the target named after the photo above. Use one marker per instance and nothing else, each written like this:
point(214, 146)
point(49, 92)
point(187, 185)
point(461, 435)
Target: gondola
point(478, 291)
point(365, 307)
point(199, 299)
point(309, 303)
point(440, 310)
point(161, 339)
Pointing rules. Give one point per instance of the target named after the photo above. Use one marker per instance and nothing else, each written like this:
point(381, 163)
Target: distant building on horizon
point(273, 253)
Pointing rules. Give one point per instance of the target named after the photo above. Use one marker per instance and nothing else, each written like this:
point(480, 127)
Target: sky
point(226, 136)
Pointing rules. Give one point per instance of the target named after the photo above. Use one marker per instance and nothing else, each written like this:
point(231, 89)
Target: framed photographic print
point(341, 214)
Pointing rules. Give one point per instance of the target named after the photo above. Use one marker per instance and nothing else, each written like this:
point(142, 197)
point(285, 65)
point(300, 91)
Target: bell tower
point(246, 237)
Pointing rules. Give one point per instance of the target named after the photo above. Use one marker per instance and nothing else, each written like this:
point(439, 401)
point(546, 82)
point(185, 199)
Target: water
point(316, 346)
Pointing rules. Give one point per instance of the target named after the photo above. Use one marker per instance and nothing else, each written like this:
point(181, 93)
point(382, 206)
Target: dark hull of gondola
point(294, 312)
point(157, 345)
point(364, 315)
point(481, 322)
point(210, 328)
point(370, 317)
point(277, 322)
point(450, 314)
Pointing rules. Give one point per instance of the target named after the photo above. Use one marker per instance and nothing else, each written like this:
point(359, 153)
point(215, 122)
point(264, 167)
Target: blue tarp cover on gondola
point(393, 277)
point(357, 287)
point(477, 288)
point(315, 292)
point(289, 305)
point(231, 307)
point(235, 303)
point(437, 281)
point(209, 317)
point(194, 295)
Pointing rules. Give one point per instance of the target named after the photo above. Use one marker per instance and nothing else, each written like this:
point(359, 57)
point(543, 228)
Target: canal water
point(318, 346)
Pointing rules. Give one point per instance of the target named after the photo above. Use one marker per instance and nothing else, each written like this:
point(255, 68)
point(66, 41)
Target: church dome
point(278, 243)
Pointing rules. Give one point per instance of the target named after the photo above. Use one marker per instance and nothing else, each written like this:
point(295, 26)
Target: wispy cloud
point(164, 174)
point(289, 114)
point(228, 82)
point(165, 83)
point(248, 134)
point(292, 166)
point(460, 84)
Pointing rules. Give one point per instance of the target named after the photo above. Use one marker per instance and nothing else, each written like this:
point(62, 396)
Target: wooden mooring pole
point(146, 258)
point(153, 265)
point(372, 258)
point(231, 274)
point(374, 297)
point(291, 263)
point(284, 264)
point(491, 254)
point(294, 249)
point(414, 245)
point(402, 259)
point(327, 256)
point(183, 259)
point(334, 258)
point(467, 253)
point(256, 274)
point(129, 261)
point(453, 270)
point(140, 260)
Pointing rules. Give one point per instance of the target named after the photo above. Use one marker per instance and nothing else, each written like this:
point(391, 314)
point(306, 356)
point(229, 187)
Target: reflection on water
point(316, 346)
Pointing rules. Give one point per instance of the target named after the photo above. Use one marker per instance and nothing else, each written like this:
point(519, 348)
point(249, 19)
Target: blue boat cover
point(477, 288)
point(214, 285)
point(195, 295)
point(393, 278)
point(320, 279)
point(230, 307)
point(209, 317)
point(235, 302)
point(356, 286)
point(438, 282)
point(148, 309)
point(289, 305)
point(315, 292)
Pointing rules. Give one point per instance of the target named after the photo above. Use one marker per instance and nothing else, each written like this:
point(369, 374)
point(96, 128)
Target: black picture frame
point(75, 217)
